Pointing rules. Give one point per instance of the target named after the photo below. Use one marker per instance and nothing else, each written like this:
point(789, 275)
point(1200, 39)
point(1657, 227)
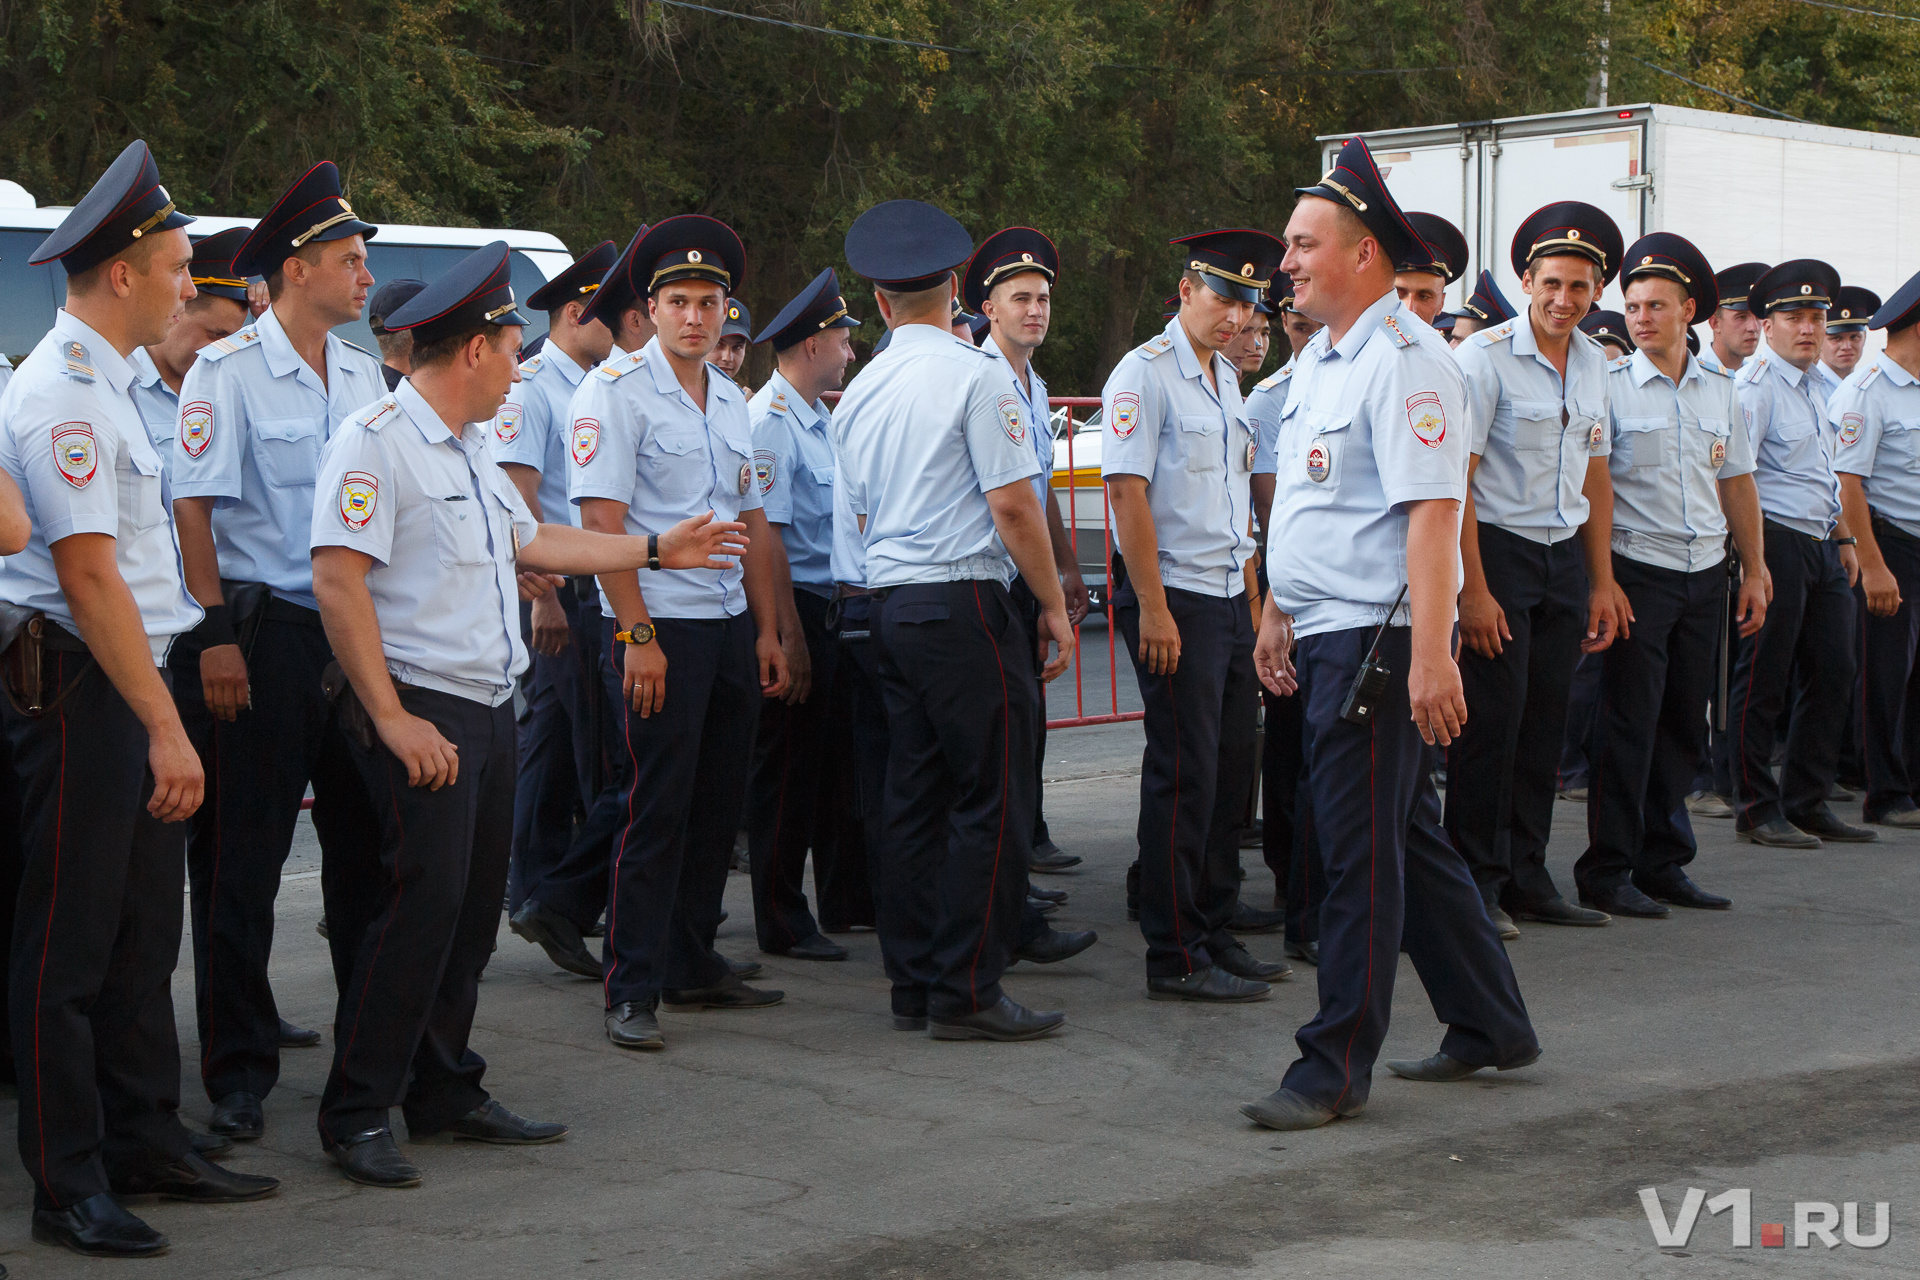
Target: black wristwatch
point(639, 633)
point(653, 551)
point(1844, 542)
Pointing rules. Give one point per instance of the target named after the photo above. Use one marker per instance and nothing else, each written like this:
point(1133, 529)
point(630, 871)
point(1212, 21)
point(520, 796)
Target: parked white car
point(1081, 495)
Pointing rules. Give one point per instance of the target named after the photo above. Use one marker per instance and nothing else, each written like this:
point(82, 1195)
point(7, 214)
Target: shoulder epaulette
point(221, 348)
point(1869, 375)
point(1499, 332)
point(613, 370)
point(779, 402)
point(1275, 378)
point(79, 362)
point(1158, 345)
point(1400, 337)
point(372, 355)
point(1620, 363)
point(383, 413)
point(531, 365)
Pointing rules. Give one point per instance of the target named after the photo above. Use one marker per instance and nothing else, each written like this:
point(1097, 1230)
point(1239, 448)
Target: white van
point(30, 295)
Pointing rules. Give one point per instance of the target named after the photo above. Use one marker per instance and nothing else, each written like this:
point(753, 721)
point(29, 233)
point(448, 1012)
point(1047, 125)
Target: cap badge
point(1246, 268)
point(1026, 257)
point(1573, 233)
point(693, 255)
point(1806, 288)
point(1646, 260)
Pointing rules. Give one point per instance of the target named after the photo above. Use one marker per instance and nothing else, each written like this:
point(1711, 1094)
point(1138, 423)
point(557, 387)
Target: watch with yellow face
point(641, 633)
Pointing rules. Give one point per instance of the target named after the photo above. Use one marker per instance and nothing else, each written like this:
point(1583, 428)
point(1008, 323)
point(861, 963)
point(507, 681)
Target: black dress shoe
point(193, 1177)
point(1682, 892)
point(728, 993)
point(1558, 910)
point(1241, 963)
point(1004, 1021)
point(491, 1122)
point(320, 927)
point(1050, 857)
point(743, 968)
point(818, 947)
point(373, 1160)
point(558, 936)
point(909, 1022)
point(1442, 1069)
point(1308, 952)
point(1247, 918)
point(292, 1037)
point(1047, 895)
point(1133, 911)
point(1287, 1111)
point(1907, 819)
point(1778, 834)
point(210, 1145)
point(1212, 985)
point(599, 929)
point(1502, 924)
point(1829, 828)
point(1041, 905)
point(1054, 946)
point(632, 1025)
point(1623, 900)
point(99, 1228)
point(238, 1116)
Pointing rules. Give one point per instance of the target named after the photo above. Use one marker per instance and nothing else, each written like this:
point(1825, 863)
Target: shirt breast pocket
point(460, 531)
point(1900, 443)
point(822, 478)
point(1323, 438)
point(138, 480)
point(1201, 445)
point(287, 451)
point(1714, 435)
point(1536, 424)
point(1645, 442)
point(1586, 422)
point(678, 462)
point(1797, 436)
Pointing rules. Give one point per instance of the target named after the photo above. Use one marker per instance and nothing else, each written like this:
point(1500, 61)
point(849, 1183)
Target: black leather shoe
point(818, 947)
point(744, 968)
point(210, 1145)
point(1442, 1069)
point(1004, 1021)
point(1682, 892)
point(193, 1177)
point(728, 993)
point(1306, 952)
point(1050, 858)
point(491, 1122)
point(1056, 896)
point(1907, 819)
point(238, 1116)
point(1624, 900)
point(1778, 834)
point(1041, 905)
point(1285, 1110)
point(1503, 924)
point(99, 1228)
point(1557, 910)
point(292, 1037)
point(320, 927)
point(1133, 911)
point(1829, 828)
point(909, 1022)
point(558, 936)
point(599, 929)
point(372, 1159)
point(1212, 985)
point(1247, 918)
point(632, 1025)
point(1054, 946)
point(1242, 963)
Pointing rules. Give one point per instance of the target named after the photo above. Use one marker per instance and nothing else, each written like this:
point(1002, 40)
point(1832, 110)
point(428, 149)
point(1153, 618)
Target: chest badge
point(1596, 437)
point(1319, 462)
point(74, 453)
point(1253, 447)
point(746, 477)
point(586, 441)
point(1851, 425)
point(1717, 451)
point(196, 428)
point(359, 496)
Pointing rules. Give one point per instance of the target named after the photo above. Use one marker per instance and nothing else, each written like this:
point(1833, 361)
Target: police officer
point(657, 438)
point(395, 347)
point(1609, 329)
point(1422, 282)
point(934, 452)
point(1735, 327)
point(1682, 468)
point(1485, 307)
point(1248, 351)
point(417, 535)
point(730, 353)
point(1372, 468)
point(1846, 338)
point(1811, 559)
point(1876, 418)
point(1534, 542)
point(255, 410)
point(558, 739)
point(106, 771)
point(219, 308)
point(789, 791)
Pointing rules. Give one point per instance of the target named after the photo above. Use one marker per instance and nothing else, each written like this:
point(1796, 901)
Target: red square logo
point(1773, 1235)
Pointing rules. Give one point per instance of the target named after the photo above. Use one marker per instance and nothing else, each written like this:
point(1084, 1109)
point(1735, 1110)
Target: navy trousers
point(1884, 702)
point(554, 784)
point(860, 743)
point(1393, 880)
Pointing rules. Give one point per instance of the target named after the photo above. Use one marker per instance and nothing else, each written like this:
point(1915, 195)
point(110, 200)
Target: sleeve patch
point(765, 468)
point(1126, 414)
point(196, 427)
point(1428, 418)
point(359, 496)
point(1010, 418)
point(506, 424)
point(1851, 425)
point(75, 452)
point(586, 441)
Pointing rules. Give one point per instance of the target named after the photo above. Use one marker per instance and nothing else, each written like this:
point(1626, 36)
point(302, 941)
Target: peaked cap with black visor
point(1568, 228)
point(1238, 263)
point(314, 210)
point(1487, 304)
point(1852, 309)
point(474, 292)
point(125, 204)
point(579, 281)
point(814, 310)
point(1355, 181)
point(1902, 310)
point(1004, 255)
point(1736, 283)
point(1447, 256)
point(1803, 284)
point(212, 266)
point(906, 246)
point(1676, 258)
point(617, 293)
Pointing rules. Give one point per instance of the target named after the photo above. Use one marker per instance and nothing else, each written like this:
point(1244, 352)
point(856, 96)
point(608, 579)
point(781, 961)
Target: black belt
point(55, 636)
point(1883, 529)
point(1770, 523)
point(287, 611)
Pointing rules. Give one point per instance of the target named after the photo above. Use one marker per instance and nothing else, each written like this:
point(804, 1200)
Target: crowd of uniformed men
point(245, 558)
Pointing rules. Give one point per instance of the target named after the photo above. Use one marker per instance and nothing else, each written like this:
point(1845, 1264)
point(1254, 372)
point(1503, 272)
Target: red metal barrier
point(1070, 512)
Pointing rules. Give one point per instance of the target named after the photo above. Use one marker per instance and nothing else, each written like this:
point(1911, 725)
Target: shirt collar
point(282, 359)
point(654, 356)
point(929, 336)
point(1189, 361)
point(1783, 368)
point(145, 372)
point(1356, 337)
point(421, 414)
point(805, 414)
point(106, 362)
point(1034, 379)
point(1895, 372)
point(569, 367)
point(1641, 366)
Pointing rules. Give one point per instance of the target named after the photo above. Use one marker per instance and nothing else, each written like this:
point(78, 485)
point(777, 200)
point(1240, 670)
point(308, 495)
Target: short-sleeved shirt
point(849, 542)
point(923, 434)
point(1039, 413)
point(793, 469)
point(158, 403)
point(1786, 416)
point(531, 427)
point(638, 438)
point(1265, 404)
point(1876, 422)
point(1371, 424)
point(1711, 362)
point(6, 372)
point(1194, 447)
point(73, 441)
point(1672, 445)
point(1534, 433)
point(253, 418)
point(444, 525)
point(1828, 379)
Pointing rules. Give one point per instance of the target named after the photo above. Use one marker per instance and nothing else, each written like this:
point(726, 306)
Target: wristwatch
point(639, 633)
point(653, 551)
point(1844, 542)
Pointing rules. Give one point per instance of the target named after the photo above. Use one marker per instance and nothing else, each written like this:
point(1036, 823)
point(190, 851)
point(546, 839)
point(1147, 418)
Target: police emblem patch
point(196, 428)
point(1851, 425)
point(359, 495)
point(1717, 451)
point(1126, 414)
point(74, 453)
point(746, 476)
point(765, 467)
point(586, 441)
point(507, 424)
point(1319, 461)
point(1016, 426)
point(1428, 418)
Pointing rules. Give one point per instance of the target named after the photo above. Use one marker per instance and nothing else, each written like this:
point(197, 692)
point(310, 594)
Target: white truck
point(1743, 188)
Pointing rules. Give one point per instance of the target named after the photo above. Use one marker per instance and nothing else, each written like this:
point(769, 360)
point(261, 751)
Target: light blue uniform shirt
point(444, 525)
point(253, 418)
point(73, 441)
point(1533, 433)
point(793, 468)
point(1039, 413)
point(1711, 362)
point(6, 372)
point(1371, 424)
point(1829, 380)
point(158, 403)
point(531, 427)
point(1786, 418)
point(849, 544)
point(1876, 420)
point(1672, 445)
point(1194, 447)
point(1265, 404)
point(638, 438)
point(924, 432)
